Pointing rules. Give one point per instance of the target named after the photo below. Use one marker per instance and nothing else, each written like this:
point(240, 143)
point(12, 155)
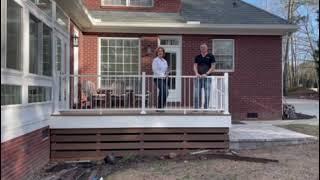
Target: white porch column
point(143, 98)
point(67, 60)
point(75, 68)
point(55, 87)
point(226, 93)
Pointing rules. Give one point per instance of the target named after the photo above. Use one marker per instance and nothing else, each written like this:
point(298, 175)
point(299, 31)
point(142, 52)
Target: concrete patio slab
point(314, 122)
point(255, 136)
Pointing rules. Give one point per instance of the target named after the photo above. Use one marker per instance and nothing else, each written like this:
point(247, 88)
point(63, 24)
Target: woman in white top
point(160, 72)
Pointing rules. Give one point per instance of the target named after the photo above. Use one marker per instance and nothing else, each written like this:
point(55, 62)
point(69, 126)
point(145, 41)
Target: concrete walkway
point(313, 122)
point(262, 135)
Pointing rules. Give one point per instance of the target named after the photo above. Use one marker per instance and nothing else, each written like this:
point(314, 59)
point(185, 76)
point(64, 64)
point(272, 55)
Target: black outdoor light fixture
point(75, 40)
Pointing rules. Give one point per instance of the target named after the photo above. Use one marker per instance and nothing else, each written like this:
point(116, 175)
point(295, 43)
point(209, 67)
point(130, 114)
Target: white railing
point(141, 93)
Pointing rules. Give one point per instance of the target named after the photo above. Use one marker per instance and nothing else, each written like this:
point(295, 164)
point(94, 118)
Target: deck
point(94, 123)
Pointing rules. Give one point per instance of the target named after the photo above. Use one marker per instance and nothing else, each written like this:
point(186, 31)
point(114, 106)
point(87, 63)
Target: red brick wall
point(168, 6)
point(23, 155)
point(257, 80)
point(255, 85)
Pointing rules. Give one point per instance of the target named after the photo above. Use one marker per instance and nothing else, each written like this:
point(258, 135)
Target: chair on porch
point(119, 96)
point(91, 98)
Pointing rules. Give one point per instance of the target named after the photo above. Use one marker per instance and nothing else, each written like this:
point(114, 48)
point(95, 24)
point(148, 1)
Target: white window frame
point(4, 68)
point(127, 4)
point(116, 38)
point(22, 77)
point(40, 46)
point(45, 101)
point(19, 85)
point(233, 55)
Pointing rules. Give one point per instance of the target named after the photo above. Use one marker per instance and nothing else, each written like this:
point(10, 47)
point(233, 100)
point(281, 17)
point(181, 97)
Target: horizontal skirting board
point(70, 122)
point(80, 144)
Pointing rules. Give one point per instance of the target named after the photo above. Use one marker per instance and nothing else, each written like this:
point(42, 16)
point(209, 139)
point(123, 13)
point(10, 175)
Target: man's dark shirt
point(204, 63)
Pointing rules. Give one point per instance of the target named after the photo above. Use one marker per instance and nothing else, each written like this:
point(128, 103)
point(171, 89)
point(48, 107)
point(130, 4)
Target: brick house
point(54, 52)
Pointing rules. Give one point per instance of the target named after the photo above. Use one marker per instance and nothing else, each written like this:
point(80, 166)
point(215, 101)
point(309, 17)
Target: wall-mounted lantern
point(75, 40)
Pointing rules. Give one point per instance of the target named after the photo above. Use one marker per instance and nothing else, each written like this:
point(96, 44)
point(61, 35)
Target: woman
point(160, 72)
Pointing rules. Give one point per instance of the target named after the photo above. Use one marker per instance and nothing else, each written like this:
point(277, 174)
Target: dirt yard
point(295, 162)
point(300, 162)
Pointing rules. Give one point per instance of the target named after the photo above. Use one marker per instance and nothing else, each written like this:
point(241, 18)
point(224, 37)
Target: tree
point(301, 46)
point(316, 55)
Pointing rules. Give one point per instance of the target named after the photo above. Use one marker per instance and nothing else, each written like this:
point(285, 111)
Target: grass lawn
point(303, 128)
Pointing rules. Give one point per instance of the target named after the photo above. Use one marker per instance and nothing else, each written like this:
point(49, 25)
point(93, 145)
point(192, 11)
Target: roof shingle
point(224, 12)
point(205, 11)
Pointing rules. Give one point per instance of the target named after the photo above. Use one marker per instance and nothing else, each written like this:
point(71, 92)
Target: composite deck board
point(145, 137)
point(83, 144)
point(138, 145)
point(139, 130)
point(82, 155)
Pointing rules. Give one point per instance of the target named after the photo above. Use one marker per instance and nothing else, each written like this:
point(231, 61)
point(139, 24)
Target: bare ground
point(299, 162)
point(295, 162)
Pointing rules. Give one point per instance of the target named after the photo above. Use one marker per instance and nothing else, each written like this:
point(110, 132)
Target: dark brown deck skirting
point(91, 144)
point(138, 130)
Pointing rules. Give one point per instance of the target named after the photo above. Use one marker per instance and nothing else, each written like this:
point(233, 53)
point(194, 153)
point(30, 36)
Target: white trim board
point(70, 122)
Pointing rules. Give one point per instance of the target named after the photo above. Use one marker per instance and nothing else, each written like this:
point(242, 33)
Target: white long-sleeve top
point(159, 67)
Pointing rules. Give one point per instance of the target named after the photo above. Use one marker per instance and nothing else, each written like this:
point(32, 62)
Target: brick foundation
point(24, 155)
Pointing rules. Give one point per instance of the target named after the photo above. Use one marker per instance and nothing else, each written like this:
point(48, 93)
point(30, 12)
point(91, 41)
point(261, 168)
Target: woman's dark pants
point(163, 91)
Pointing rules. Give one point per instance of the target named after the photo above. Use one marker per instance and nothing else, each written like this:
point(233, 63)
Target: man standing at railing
point(204, 65)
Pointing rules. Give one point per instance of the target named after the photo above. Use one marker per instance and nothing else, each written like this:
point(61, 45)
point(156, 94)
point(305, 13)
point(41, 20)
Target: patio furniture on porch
point(91, 98)
point(119, 96)
point(137, 99)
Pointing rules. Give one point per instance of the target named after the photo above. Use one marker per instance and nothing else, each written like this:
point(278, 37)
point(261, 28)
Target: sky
point(263, 4)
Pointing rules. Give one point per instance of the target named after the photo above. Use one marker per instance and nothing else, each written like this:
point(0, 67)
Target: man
point(204, 65)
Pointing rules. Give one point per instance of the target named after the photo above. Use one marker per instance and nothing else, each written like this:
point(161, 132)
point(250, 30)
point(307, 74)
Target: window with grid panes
point(10, 94)
point(40, 60)
point(14, 25)
point(39, 94)
point(119, 57)
point(223, 50)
